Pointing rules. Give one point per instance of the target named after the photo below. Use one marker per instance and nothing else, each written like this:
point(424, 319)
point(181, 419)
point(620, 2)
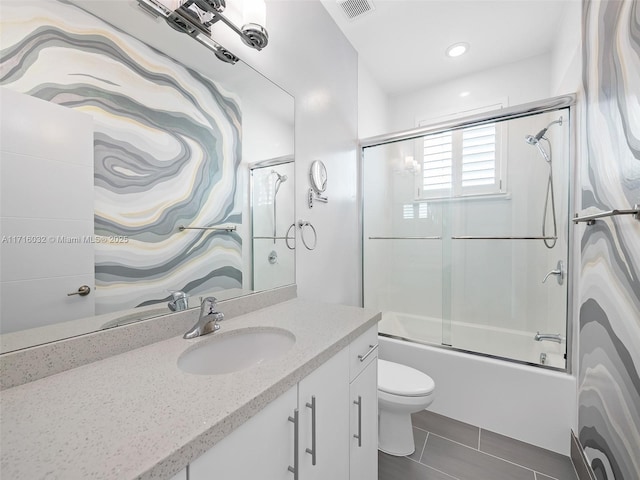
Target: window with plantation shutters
point(461, 163)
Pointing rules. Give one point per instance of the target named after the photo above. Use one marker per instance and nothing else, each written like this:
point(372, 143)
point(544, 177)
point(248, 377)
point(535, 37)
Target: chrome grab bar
point(591, 219)
point(405, 238)
point(230, 228)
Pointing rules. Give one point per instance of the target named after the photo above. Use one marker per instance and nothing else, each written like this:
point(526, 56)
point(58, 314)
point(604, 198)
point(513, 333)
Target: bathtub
point(532, 404)
point(498, 342)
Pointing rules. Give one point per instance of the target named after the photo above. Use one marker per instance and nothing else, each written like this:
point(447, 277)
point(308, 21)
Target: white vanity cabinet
point(324, 441)
point(328, 422)
point(363, 399)
point(261, 448)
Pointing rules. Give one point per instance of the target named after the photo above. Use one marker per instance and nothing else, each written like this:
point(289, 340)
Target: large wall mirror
point(127, 157)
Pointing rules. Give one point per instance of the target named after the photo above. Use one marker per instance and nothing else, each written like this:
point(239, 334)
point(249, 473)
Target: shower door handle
point(559, 272)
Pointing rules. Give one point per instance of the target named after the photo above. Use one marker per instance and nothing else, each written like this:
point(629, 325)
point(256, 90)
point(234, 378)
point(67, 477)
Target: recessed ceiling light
point(457, 49)
point(464, 94)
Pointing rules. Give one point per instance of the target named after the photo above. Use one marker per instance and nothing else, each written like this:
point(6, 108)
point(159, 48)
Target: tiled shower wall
point(167, 147)
point(609, 315)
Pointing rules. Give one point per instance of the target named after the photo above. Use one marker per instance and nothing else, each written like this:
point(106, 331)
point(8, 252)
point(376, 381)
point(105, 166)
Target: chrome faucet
point(552, 337)
point(208, 321)
point(179, 302)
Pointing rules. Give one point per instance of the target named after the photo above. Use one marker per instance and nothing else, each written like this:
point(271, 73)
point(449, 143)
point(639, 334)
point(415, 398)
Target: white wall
point(309, 57)
point(518, 82)
point(566, 59)
point(373, 105)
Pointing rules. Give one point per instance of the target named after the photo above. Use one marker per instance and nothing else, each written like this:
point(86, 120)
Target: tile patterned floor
point(447, 449)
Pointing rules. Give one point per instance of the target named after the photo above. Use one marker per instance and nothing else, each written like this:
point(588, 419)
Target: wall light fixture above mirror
point(196, 18)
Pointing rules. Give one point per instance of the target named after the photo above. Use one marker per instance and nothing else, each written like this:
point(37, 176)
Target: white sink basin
point(236, 350)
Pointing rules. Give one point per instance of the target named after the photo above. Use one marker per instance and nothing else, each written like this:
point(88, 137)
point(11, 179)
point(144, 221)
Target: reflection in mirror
point(110, 143)
point(273, 223)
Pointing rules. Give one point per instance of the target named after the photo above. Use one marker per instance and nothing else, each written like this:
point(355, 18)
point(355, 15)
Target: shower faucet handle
point(559, 272)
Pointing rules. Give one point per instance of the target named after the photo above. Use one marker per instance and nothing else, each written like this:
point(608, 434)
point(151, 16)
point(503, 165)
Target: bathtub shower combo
point(465, 233)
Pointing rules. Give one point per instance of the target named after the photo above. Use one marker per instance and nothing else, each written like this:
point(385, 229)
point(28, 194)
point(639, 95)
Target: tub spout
point(552, 337)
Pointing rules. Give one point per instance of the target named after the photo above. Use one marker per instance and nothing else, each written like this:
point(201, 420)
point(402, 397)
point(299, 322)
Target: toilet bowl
point(402, 390)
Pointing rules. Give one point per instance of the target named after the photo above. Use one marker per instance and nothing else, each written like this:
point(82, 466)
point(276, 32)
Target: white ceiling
point(403, 42)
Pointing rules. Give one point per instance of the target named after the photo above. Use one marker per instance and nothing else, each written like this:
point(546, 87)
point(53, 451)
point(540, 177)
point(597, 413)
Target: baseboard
point(580, 462)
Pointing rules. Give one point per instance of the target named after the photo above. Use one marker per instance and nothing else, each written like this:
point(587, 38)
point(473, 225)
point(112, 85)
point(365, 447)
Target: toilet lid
point(398, 379)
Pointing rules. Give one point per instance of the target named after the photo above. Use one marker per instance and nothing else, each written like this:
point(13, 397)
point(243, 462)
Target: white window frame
point(499, 187)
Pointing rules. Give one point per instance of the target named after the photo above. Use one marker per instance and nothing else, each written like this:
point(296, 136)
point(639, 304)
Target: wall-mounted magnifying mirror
point(318, 174)
point(318, 179)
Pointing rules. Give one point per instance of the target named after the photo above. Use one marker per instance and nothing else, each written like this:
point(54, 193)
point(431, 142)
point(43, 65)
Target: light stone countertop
point(137, 415)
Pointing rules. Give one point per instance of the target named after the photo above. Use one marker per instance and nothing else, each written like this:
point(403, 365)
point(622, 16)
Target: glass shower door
point(402, 246)
point(508, 261)
point(465, 237)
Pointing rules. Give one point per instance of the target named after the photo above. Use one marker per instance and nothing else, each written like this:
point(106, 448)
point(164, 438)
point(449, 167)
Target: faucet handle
point(179, 301)
point(177, 294)
point(208, 306)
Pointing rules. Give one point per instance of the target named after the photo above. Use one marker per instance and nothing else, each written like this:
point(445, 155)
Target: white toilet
point(402, 390)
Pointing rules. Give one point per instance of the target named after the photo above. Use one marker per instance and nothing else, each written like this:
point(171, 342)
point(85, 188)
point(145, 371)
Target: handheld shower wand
point(279, 181)
point(535, 140)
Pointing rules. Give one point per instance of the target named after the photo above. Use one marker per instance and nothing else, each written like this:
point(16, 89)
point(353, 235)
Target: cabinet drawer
point(359, 348)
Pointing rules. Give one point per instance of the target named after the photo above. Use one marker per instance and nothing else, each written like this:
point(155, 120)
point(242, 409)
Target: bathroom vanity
point(308, 412)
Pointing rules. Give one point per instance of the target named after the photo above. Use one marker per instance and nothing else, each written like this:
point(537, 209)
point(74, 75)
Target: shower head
point(281, 178)
point(531, 139)
point(534, 139)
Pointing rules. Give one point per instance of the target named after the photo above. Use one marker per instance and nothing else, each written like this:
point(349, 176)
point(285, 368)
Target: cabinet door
point(261, 448)
point(327, 389)
point(364, 424)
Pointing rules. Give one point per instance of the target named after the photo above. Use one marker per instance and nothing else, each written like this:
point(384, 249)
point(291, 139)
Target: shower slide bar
point(591, 219)
point(405, 238)
point(501, 238)
point(229, 228)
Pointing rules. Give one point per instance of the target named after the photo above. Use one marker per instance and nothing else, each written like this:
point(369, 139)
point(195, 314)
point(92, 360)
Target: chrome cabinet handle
point(372, 349)
point(312, 450)
point(83, 291)
point(294, 420)
point(359, 434)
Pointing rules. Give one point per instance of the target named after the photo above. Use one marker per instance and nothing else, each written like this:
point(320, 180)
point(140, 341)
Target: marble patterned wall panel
point(609, 280)
point(167, 149)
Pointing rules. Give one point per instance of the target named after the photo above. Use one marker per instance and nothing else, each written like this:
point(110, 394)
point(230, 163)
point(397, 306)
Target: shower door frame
point(271, 162)
point(552, 104)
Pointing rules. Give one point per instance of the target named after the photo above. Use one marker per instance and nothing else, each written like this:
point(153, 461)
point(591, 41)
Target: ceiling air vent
point(355, 8)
